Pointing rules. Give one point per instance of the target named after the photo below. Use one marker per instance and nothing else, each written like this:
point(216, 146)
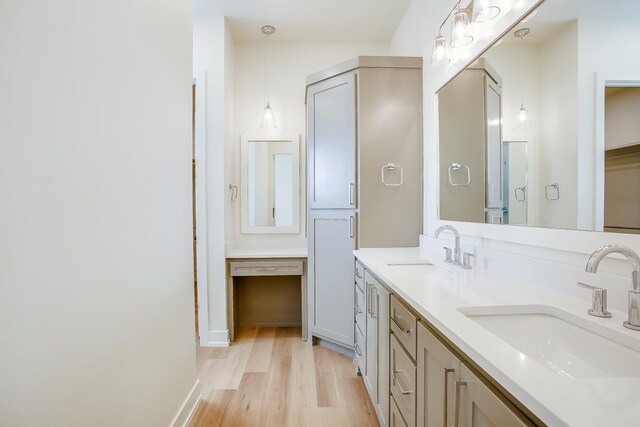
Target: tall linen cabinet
point(364, 178)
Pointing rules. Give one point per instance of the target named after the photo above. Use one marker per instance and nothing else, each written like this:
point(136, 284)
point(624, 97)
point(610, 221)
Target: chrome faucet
point(633, 321)
point(456, 252)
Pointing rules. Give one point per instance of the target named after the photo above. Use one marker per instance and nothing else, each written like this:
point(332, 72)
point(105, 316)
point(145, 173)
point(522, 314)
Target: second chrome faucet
point(633, 321)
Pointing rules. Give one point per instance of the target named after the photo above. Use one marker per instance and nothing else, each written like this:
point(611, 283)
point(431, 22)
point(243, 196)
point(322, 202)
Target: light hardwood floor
point(269, 377)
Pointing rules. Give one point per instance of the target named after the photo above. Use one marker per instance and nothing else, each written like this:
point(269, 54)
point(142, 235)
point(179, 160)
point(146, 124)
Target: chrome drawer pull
point(358, 351)
point(457, 413)
point(395, 379)
point(447, 371)
point(402, 329)
point(358, 309)
point(358, 275)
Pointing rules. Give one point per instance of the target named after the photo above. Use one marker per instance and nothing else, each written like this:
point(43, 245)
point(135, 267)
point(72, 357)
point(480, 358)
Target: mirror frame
point(245, 228)
point(577, 241)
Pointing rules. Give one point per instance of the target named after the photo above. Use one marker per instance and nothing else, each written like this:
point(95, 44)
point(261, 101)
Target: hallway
point(269, 377)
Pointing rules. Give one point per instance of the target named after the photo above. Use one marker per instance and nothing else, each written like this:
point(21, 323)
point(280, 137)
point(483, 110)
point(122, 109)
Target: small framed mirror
point(270, 186)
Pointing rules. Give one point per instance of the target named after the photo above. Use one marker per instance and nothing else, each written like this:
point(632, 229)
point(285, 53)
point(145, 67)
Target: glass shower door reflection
point(514, 157)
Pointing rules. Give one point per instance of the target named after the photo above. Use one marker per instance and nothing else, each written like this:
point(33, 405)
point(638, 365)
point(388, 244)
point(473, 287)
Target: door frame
point(604, 81)
point(200, 83)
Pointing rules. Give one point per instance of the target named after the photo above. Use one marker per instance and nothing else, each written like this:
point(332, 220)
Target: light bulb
point(522, 114)
point(439, 53)
point(268, 118)
point(460, 31)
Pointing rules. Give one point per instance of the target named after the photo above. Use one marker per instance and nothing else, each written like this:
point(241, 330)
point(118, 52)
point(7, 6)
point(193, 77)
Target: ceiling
point(310, 21)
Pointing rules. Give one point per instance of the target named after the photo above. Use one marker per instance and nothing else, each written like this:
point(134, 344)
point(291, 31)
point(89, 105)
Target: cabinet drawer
point(403, 381)
point(266, 268)
point(360, 310)
point(403, 324)
point(395, 418)
point(359, 276)
point(359, 349)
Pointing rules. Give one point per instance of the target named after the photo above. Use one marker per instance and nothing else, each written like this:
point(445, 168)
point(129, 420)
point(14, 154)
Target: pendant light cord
point(522, 67)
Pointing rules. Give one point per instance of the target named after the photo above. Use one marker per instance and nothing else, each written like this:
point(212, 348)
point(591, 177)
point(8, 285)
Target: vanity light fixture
point(461, 28)
point(522, 118)
point(486, 10)
point(464, 20)
point(268, 118)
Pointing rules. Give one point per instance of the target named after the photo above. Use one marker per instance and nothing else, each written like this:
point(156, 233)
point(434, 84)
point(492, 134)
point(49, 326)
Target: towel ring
point(556, 187)
point(392, 167)
point(456, 167)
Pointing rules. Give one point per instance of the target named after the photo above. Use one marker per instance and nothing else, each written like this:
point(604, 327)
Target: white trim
point(201, 205)
point(188, 407)
point(217, 339)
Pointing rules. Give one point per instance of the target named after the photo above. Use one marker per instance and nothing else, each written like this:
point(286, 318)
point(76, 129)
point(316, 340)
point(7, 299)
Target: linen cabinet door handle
point(456, 419)
point(352, 188)
point(447, 371)
point(351, 226)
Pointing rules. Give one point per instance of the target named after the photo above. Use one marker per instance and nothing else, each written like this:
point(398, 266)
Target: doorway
point(622, 160)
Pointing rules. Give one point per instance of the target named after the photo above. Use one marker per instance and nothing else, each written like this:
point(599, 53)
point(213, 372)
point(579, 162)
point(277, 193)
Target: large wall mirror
point(543, 128)
point(270, 186)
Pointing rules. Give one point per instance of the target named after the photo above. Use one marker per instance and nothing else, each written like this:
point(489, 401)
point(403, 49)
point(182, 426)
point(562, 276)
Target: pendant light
point(268, 118)
point(522, 120)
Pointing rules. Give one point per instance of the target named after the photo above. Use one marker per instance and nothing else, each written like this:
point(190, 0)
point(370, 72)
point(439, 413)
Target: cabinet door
point(331, 143)
point(382, 314)
point(480, 407)
point(437, 374)
point(331, 272)
point(493, 112)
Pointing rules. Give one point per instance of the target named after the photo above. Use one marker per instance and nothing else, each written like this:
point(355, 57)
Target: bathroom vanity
point(445, 346)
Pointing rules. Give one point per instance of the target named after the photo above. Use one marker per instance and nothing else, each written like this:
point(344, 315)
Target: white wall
point(212, 55)
point(289, 65)
point(96, 279)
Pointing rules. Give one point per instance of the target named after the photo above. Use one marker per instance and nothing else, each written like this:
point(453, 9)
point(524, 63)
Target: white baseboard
point(218, 339)
point(188, 408)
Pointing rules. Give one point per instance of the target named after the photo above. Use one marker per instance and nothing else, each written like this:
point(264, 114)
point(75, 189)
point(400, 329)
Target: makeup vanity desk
point(264, 262)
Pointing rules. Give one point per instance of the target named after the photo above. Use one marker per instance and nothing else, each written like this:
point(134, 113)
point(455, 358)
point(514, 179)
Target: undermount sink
point(410, 265)
point(566, 344)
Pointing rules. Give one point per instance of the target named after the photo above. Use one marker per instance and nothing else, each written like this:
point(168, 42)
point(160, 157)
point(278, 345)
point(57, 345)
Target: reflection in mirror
point(622, 160)
point(518, 143)
point(270, 183)
point(514, 184)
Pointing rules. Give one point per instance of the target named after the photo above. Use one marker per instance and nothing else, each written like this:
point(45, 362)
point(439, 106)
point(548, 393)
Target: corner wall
point(96, 274)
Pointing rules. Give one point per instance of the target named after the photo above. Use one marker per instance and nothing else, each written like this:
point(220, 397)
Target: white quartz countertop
point(437, 292)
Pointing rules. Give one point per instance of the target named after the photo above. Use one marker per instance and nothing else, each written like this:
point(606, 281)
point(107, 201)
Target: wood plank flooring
point(269, 377)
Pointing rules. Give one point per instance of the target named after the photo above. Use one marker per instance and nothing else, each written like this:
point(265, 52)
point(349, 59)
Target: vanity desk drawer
point(266, 268)
point(403, 325)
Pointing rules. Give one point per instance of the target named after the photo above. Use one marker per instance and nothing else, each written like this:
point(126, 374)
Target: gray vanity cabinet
point(448, 393)
point(364, 159)
point(332, 237)
point(376, 373)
